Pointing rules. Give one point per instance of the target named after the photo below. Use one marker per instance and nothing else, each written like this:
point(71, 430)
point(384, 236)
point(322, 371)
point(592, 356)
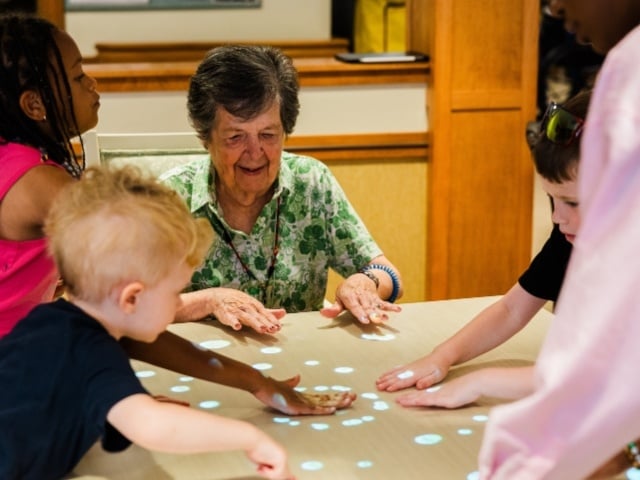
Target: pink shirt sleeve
point(586, 405)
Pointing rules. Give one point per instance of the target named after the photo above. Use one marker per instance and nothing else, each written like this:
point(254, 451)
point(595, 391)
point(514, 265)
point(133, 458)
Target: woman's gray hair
point(245, 80)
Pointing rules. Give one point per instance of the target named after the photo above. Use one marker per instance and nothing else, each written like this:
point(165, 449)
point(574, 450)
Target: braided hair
point(30, 60)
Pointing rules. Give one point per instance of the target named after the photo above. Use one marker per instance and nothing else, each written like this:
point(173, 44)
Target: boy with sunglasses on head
point(585, 406)
point(125, 246)
point(556, 155)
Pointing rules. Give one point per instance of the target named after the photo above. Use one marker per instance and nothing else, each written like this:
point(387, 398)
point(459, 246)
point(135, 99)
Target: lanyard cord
point(274, 254)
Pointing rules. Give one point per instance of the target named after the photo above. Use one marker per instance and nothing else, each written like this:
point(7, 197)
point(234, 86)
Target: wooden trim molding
point(388, 146)
point(174, 76)
point(195, 51)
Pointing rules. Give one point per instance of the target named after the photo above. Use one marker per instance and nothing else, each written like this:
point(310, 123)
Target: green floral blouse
point(318, 229)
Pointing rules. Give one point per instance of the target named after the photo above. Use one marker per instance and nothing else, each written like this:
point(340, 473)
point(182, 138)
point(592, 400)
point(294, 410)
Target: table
point(374, 439)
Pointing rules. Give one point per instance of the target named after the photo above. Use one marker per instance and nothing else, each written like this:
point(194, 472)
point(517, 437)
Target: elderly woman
point(282, 219)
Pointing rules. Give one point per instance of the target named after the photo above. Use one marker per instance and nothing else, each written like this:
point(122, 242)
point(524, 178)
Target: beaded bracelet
point(392, 274)
point(633, 454)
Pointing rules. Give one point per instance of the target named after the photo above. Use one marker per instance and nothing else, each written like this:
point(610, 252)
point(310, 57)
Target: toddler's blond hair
point(116, 226)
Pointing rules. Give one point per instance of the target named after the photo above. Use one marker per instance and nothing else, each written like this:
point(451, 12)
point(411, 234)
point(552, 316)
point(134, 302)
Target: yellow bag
point(380, 26)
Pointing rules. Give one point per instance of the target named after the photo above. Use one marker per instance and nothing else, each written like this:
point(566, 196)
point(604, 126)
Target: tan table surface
point(374, 439)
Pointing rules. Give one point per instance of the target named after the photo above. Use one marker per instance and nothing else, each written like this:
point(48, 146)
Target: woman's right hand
point(230, 307)
point(422, 373)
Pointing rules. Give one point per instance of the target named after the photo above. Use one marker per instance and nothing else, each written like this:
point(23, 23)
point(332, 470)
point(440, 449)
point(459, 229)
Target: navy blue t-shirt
point(544, 277)
point(61, 373)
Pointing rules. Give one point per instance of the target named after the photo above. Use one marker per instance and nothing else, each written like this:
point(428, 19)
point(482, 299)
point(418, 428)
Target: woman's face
point(86, 100)
point(564, 201)
point(246, 154)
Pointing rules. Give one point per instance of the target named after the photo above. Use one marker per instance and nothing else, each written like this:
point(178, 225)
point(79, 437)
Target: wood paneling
point(482, 93)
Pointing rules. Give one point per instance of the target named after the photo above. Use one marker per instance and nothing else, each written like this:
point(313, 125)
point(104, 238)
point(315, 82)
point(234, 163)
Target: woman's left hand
point(358, 295)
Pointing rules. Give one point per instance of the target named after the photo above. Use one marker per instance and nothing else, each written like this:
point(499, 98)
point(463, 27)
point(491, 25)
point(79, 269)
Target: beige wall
point(275, 20)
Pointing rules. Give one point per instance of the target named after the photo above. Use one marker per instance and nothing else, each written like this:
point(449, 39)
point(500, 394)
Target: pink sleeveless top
point(28, 275)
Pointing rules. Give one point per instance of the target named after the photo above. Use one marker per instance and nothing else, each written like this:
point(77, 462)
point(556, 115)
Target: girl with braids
point(46, 100)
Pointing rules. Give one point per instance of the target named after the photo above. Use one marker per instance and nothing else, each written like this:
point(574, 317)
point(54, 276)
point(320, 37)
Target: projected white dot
point(180, 389)
point(294, 423)
point(370, 396)
point(352, 422)
point(428, 439)
point(320, 426)
point(312, 465)
point(215, 344)
point(480, 418)
point(364, 464)
point(262, 366)
point(378, 338)
point(312, 363)
point(186, 379)
point(300, 389)
point(368, 418)
point(474, 476)
point(380, 405)
point(435, 388)
point(321, 388)
point(209, 404)
point(281, 420)
point(271, 350)
point(633, 474)
point(340, 388)
point(145, 373)
point(405, 374)
point(465, 431)
point(343, 370)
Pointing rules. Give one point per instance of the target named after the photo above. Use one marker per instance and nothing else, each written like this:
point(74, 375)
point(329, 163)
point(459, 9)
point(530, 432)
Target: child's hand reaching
point(422, 373)
point(271, 458)
point(281, 396)
point(453, 394)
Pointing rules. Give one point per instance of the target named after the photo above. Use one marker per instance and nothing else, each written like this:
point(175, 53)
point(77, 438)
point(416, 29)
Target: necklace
point(265, 287)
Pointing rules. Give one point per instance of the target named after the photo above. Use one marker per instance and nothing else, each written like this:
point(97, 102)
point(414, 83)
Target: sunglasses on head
point(560, 126)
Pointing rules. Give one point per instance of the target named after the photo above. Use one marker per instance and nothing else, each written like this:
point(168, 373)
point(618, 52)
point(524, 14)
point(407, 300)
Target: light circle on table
point(321, 388)
point(405, 374)
point(312, 363)
point(435, 388)
point(294, 423)
point(364, 464)
point(474, 476)
point(480, 418)
point(340, 388)
point(428, 439)
point(633, 474)
point(352, 422)
point(368, 418)
point(380, 405)
point(300, 389)
point(271, 350)
point(145, 374)
point(465, 431)
point(320, 426)
point(343, 369)
point(262, 366)
point(186, 379)
point(180, 389)
point(370, 396)
point(208, 404)
point(281, 419)
point(379, 338)
point(312, 465)
point(215, 344)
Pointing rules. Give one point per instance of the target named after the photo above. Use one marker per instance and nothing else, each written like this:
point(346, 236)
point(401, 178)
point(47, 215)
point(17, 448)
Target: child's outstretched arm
point(166, 427)
point(491, 327)
point(175, 353)
point(503, 383)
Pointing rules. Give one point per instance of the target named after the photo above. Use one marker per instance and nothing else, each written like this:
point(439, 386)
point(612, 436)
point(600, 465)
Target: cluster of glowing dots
point(377, 404)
